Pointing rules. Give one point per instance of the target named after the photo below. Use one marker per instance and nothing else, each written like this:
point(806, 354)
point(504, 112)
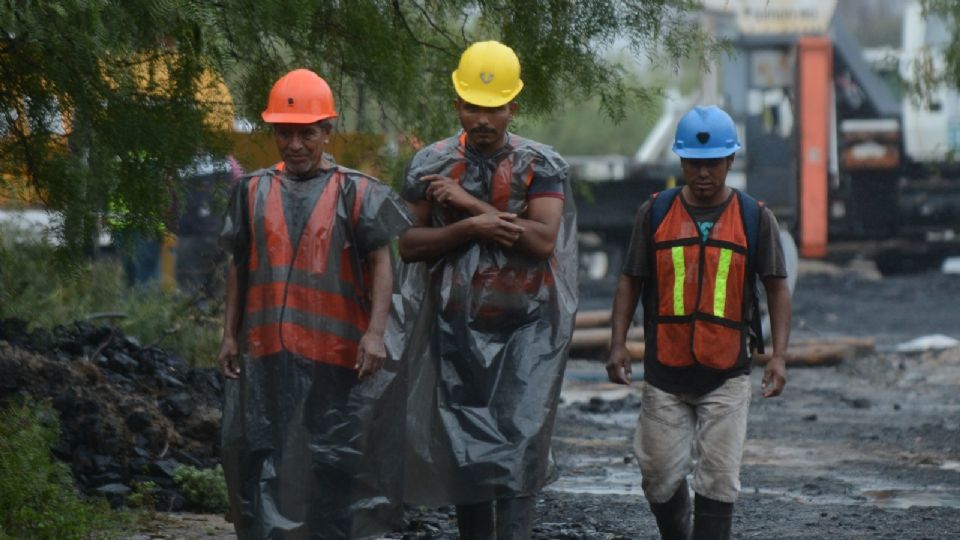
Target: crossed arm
point(534, 234)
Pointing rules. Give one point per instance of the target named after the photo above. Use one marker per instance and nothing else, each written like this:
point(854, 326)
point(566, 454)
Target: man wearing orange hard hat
point(494, 295)
point(314, 404)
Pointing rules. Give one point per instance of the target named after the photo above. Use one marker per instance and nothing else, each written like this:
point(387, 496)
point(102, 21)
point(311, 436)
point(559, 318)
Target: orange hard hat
point(299, 97)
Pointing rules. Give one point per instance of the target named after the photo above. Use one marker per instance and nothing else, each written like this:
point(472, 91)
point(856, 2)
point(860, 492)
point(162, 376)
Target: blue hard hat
point(704, 133)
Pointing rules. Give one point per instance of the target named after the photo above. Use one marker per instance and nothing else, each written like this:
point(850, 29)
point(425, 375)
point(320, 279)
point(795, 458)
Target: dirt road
point(866, 449)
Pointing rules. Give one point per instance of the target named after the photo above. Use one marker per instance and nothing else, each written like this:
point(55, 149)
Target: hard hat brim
point(294, 118)
point(483, 99)
point(705, 153)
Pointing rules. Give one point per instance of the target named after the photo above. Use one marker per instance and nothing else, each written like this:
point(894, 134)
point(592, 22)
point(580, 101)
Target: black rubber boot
point(673, 516)
point(712, 519)
point(477, 521)
point(515, 518)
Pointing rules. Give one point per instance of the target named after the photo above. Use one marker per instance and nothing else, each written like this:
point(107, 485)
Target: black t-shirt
point(769, 262)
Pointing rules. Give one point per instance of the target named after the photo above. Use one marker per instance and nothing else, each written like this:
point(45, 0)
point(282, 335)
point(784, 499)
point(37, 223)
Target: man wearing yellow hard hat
point(492, 296)
point(313, 404)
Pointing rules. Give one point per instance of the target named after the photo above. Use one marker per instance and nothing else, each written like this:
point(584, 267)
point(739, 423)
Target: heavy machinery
point(850, 167)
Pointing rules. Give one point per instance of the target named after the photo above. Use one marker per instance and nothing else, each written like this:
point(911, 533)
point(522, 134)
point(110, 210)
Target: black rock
point(164, 467)
point(67, 406)
point(599, 405)
point(107, 480)
point(138, 465)
point(105, 387)
point(177, 406)
point(113, 489)
point(121, 362)
point(169, 381)
point(83, 460)
point(191, 459)
point(101, 462)
point(138, 421)
point(91, 335)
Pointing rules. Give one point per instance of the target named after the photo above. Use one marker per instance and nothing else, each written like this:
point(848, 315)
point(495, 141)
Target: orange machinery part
point(814, 76)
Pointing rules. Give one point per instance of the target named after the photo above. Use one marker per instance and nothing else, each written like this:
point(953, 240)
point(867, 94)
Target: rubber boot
point(673, 516)
point(515, 518)
point(477, 521)
point(712, 519)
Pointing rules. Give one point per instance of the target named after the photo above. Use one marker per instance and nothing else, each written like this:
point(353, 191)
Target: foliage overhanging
point(102, 102)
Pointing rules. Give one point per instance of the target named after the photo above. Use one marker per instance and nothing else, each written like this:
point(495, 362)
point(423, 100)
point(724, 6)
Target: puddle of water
point(582, 394)
point(905, 498)
point(586, 375)
point(597, 475)
point(799, 497)
point(950, 465)
point(886, 498)
point(614, 481)
point(624, 479)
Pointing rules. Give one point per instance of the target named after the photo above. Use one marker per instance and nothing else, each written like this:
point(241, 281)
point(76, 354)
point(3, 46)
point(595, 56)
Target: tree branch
point(399, 12)
point(442, 32)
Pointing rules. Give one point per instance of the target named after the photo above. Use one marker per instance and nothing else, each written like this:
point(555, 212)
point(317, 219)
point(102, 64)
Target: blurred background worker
point(314, 409)
point(492, 305)
point(695, 254)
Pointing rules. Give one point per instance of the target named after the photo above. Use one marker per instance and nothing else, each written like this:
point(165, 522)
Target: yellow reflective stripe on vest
point(720, 285)
point(679, 276)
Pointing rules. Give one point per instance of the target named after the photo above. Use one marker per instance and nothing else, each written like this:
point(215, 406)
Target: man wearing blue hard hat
point(694, 258)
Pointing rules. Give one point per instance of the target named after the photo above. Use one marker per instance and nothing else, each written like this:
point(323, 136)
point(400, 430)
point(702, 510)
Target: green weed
point(36, 491)
point(204, 489)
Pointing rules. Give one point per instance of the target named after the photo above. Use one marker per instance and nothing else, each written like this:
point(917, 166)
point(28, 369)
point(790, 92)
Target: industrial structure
point(850, 163)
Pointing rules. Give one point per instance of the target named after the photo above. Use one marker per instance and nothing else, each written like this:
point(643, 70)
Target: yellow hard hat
point(488, 74)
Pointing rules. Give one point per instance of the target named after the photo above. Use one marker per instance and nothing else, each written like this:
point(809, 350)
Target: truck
point(852, 165)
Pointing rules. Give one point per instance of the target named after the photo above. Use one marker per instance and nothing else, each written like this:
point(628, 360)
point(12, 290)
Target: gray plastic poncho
point(309, 451)
point(488, 330)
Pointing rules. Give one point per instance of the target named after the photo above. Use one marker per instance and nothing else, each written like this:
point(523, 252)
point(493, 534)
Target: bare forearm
point(624, 305)
point(231, 323)
point(778, 302)
point(382, 289)
point(425, 243)
point(475, 207)
point(537, 240)
point(540, 226)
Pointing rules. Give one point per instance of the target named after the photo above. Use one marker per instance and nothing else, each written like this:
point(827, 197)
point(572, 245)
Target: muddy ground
point(869, 448)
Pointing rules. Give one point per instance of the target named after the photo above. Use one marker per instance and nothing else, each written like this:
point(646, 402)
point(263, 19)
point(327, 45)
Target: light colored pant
point(670, 424)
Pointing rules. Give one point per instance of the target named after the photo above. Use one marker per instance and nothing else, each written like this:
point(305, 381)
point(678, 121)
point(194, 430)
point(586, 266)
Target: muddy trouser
point(503, 519)
point(670, 425)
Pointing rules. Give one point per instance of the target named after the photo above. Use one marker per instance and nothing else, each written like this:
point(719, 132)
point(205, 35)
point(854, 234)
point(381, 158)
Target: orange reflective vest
point(306, 295)
point(700, 301)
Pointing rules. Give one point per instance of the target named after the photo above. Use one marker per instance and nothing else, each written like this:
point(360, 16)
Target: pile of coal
point(130, 414)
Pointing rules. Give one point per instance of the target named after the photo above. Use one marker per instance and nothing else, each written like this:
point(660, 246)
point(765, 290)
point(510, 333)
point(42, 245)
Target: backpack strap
point(751, 210)
point(751, 221)
point(660, 206)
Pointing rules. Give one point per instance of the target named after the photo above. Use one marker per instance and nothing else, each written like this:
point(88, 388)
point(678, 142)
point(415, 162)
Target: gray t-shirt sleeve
point(636, 260)
point(770, 261)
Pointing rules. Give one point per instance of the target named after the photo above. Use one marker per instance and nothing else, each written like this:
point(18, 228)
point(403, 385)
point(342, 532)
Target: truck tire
point(791, 259)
